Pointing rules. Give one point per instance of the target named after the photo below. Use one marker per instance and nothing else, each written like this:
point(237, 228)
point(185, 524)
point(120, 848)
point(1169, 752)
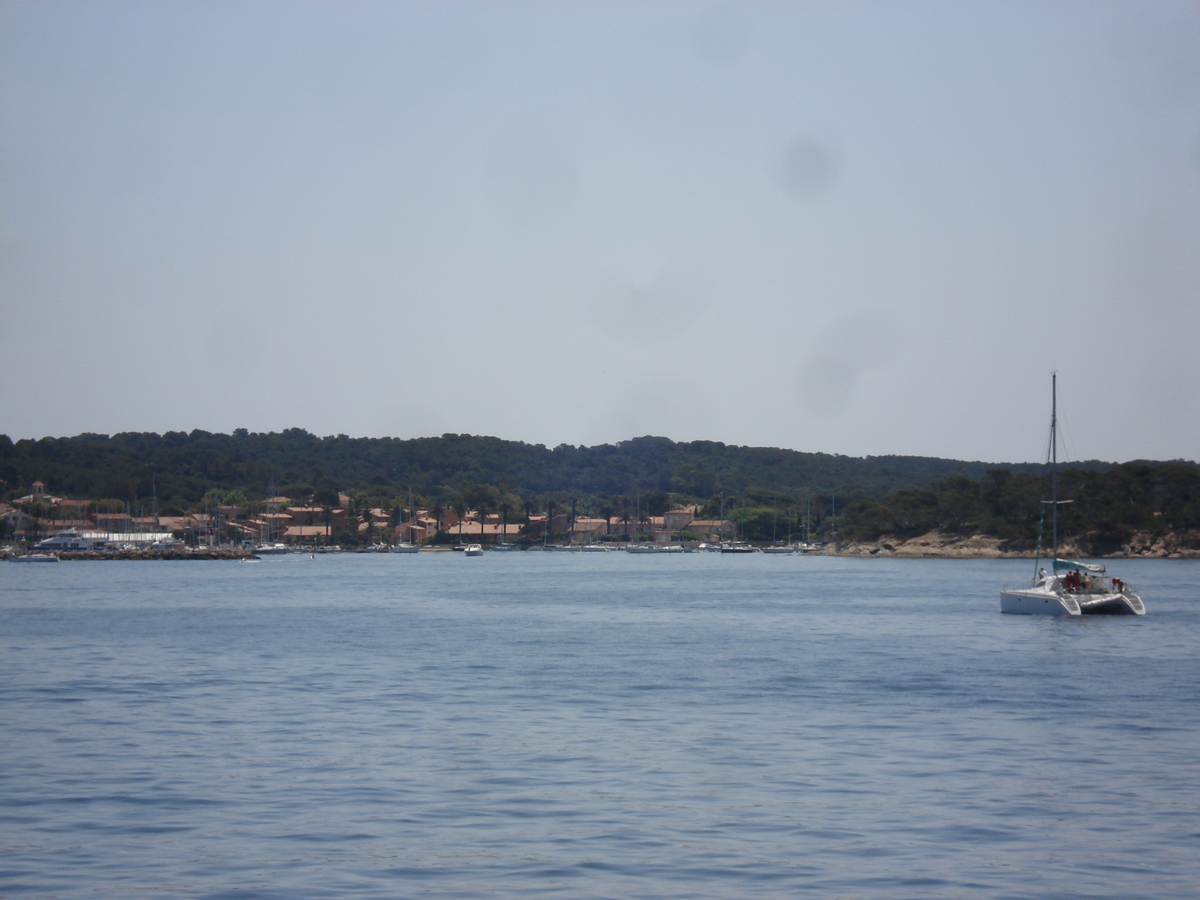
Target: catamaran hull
point(1114, 605)
point(1037, 603)
point(1045, 603)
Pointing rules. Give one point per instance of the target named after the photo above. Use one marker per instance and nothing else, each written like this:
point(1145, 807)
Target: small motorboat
point(34, 557)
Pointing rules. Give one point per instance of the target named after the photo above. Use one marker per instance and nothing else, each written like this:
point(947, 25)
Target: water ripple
point(553, 725)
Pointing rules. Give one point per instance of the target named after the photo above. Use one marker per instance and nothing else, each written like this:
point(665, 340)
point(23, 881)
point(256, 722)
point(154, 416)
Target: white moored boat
point(71, 539)
point(473, 550)
point(1082, 588)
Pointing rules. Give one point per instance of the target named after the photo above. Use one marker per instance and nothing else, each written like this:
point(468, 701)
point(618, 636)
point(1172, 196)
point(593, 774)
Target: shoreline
point(938, 545)
point(933, 545)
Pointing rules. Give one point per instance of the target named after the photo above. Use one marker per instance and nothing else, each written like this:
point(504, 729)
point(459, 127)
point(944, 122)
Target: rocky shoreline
point(938, 545)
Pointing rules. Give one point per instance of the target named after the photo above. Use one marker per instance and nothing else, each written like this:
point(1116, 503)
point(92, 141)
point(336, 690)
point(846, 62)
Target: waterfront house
point(710, 529)
point(316, 515)
point(307, 533)
point(16, 519)
point(585, 530)
point(476, 532)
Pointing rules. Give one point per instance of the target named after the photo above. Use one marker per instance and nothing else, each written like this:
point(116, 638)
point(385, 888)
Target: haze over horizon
point(865, 229)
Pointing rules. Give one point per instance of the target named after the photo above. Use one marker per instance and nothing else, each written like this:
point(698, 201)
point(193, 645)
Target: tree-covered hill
point(770, 492)
point(1103, 509)
point(181, 468)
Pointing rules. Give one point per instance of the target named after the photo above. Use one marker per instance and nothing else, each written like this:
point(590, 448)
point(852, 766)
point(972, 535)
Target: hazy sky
point(847, 227)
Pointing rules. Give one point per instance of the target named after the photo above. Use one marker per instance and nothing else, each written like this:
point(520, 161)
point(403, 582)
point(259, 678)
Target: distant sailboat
point(407, 546)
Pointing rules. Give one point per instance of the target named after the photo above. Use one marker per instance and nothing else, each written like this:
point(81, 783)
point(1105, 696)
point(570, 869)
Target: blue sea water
point(588, 725)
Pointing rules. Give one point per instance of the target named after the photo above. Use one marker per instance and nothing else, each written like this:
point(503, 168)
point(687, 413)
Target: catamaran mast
point(1054, 460)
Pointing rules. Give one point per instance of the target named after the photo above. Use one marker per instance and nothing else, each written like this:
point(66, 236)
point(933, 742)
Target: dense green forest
point(182, 468)
point(1108, 506)
point(770, 492)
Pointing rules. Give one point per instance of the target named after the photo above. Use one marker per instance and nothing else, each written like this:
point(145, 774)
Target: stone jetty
point(186, 553)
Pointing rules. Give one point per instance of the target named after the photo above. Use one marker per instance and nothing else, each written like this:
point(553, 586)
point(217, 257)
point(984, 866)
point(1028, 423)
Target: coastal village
point(43, 523)
point(279, 522)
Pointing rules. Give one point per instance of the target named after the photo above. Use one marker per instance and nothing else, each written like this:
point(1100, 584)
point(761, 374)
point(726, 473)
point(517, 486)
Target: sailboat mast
point(1054, 459)
point(412, 517)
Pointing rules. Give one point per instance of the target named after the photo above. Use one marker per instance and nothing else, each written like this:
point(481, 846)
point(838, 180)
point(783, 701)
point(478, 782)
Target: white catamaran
point(1073, 588)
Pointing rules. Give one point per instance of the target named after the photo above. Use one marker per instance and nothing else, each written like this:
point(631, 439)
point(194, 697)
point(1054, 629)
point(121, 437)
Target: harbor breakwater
point(189, 554)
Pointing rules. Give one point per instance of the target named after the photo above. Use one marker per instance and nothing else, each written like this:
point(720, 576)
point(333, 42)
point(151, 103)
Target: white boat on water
point(71, 539)
point(34, 557)
point(473, 550)
point(405, 547)
point(274, 549)
point(1082, 588)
